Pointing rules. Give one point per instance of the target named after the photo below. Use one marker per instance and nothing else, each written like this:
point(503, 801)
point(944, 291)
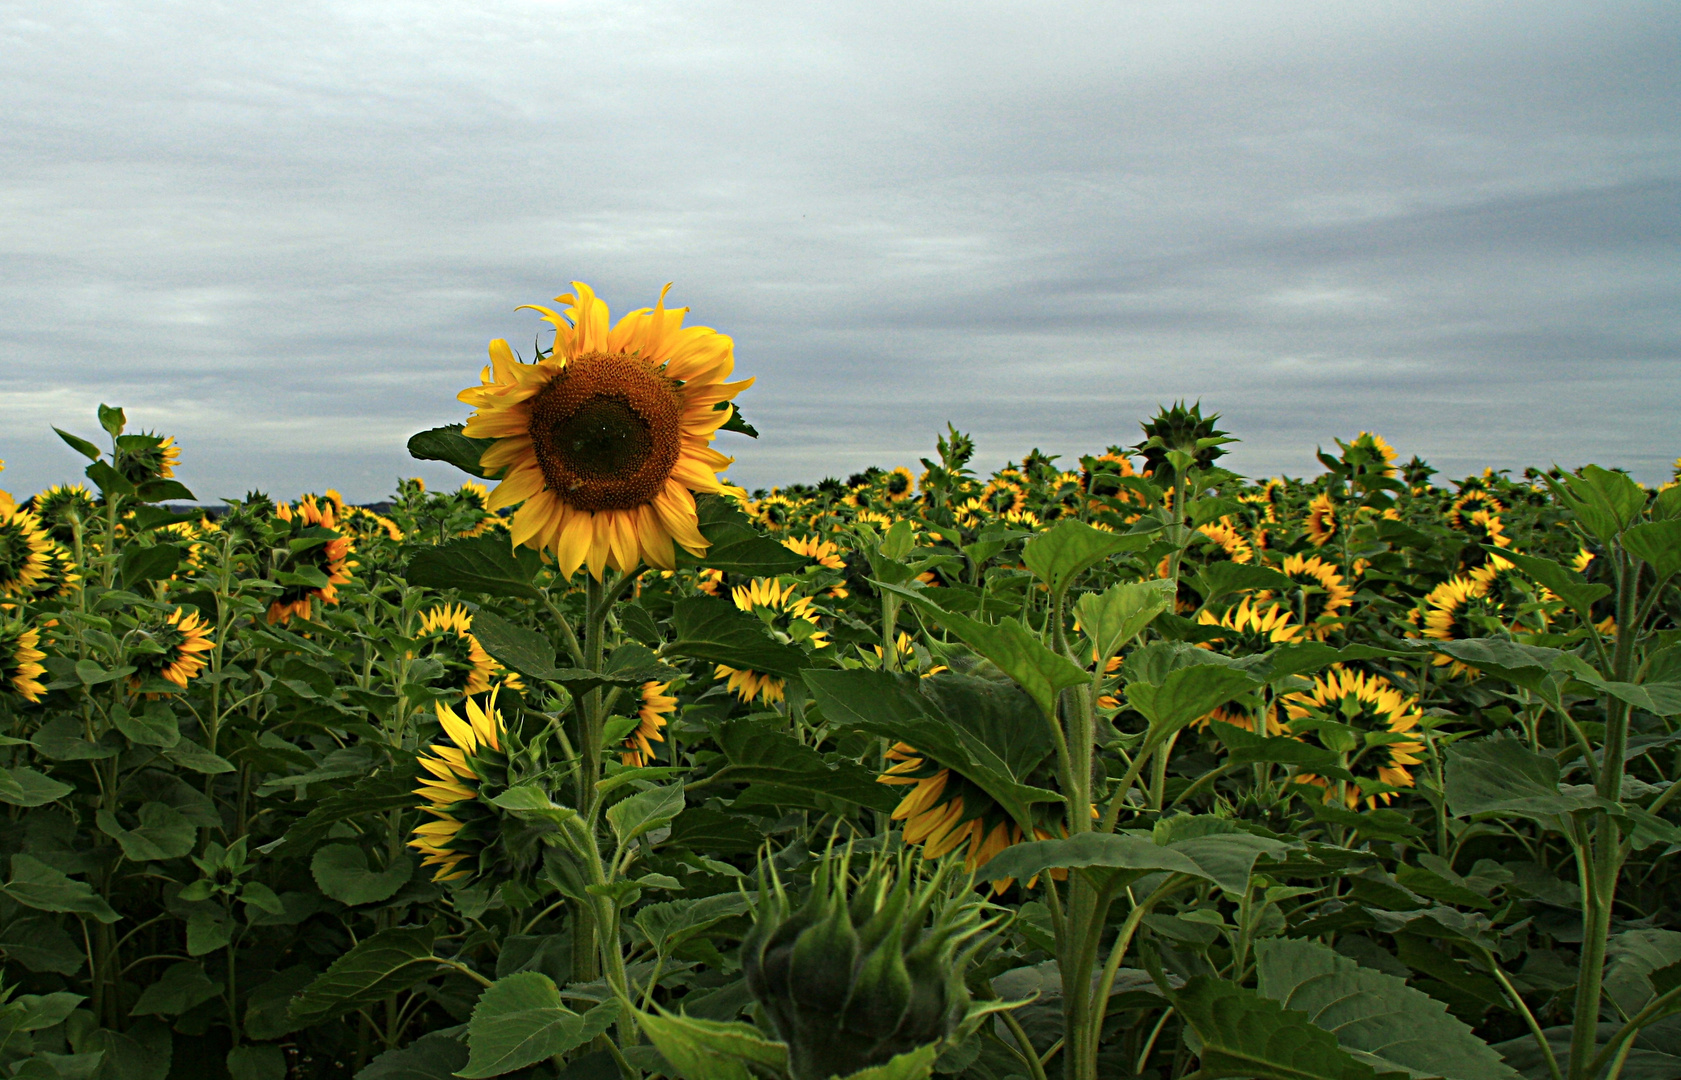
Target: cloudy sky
point(285, 232)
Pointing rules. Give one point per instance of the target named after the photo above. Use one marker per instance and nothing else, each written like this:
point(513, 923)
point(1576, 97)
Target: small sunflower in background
point(1250, 629)
point(825, 553)
point(790, 616)
point(146, 457)
point(656, 706)
point(898, 486)
point(1027, 519)
point(606, 438)
point(24, 552)
point(474, 501)
point(329, 556)
point(61, 578)
point(461, 770)
point(1003, 496)
point(446, 636)
point(170, 648)
point(62, 507)
point(1322, 520)
point(1365, 719)
point(20, 660)
point(364, 524)
point(1456, 610)
point(1240, 717)
point(775, 512)
point(1470, 502)
point(1319, 596)
point(1220, 541)
point(1370, 454)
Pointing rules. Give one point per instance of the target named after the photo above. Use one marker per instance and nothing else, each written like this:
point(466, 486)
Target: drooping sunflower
point(1453, 611)
point(1319, 595)
point(1322, 519)
point(61, 578)
point(1370, 453)
point(20, 660)
point(61, 507)
point(446, 636)
point(145, 457)
point(1250, 628)
point(788, 614)
point(605, 439)
point(1368, 719)
point(898, 486)
point(171, 648)
point(656, 706)
point(329, 555)
point(1470, 502)
point(24, 552)
point(474, 758)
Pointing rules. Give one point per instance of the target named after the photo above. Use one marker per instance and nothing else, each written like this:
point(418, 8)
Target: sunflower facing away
point(63, 506)
point(474, 756)
point(656, 706)
point(24, 552)
point(786, 612)
point(315, 521)
point(825, 553)
point(170, 649)
point(446, 636)
point(605, 439)
point(1320, 594)
point(1364, 718)
point(1250, 629)
point(1450, 611)
point(20, 660)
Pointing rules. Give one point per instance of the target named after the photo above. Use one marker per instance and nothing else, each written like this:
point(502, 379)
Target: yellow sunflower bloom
point(462, 825)
point(1322, 520)
point(25, 551)
point(20, 660)
point(1252, 629)
point(656, 706)
point(605, 440)
point(1355, 704)
point(781, 607)
point(446, 635)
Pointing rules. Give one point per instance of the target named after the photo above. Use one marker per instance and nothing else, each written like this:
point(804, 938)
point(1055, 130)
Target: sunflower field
point(600, 767)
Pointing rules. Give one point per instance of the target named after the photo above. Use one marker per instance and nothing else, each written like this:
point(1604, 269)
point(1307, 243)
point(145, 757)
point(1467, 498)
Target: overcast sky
point(285, 233)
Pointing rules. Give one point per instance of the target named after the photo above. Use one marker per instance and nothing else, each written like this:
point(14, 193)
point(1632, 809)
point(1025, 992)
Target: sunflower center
point(607, 432)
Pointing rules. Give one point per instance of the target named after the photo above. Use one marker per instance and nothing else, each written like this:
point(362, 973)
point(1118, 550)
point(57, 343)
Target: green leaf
point(531, 801)
point(155, 725)
point(156, 491)
point(208, 929)
point(1117, 851)
point(735, 545)
point(1069, 548)
point(1228, 858)
point(257, 1061)
point(667, 925)
point(899, 707)
point(1503, 776)
point(35, 884)
point(389, 961)
point(1519, 664)
point(1632, 957)
point(111, 418)
point(448, 444)
point(182, 986)
point(42, 1011)
point(1187, 693)
point(109, 481)
point(436, 1056)
point(645, 811)
point(1658, 543)
point(139, 564)
point(713, 629)
point(40, 944)
point(736, 424)
point(163, 833)
point(531, 654)
point(915, 1064)
point(190, 755)
point(23, 786)
point(1246, 1035)
point(1248, 748)
point(341, 871)
point(1374, 1016)
point(143, 1052)
point(1223, 578)
point(1659, 698)
point(709, 1050)
point(520, 1021)
point(483, 564)
point(1302, 657)
point(1121, 612)
point(785, 772)
point(78, 444)
point(1016, 650)
point(1567, 584)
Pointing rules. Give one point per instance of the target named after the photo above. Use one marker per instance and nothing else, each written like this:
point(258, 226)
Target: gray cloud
point(286, 234)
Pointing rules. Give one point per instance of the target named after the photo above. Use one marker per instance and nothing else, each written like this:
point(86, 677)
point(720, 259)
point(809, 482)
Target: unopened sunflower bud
point(849, 982)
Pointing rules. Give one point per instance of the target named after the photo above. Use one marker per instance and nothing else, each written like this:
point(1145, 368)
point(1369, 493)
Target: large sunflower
point(24, 552)
point(20, 660)
point(446, 636)
point(1364, 718)
point(605, 439)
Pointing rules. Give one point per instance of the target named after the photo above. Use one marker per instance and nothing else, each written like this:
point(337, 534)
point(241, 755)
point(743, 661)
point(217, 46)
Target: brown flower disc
point(607, 432)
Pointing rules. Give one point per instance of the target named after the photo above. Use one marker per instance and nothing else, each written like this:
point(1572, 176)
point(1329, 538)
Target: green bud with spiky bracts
point(865, 969)
point(1180, 431)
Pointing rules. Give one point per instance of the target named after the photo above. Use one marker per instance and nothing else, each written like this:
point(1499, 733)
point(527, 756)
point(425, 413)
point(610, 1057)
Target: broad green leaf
point(341, 871)
point(79, 444)
point(266, 1012)
point(1246, 748)
point(1063, 552)
point(1373, 1015)
point(208, 929)
point(1631, 959)
point(1120, 613)
point(448, 444)
point(182, 986)
point(1566, 584)
point(23, 786)
point(531, 654)
point(897, 707)
point(39, 943)
point(785, 772)
point(389, 961)
point(669, 924)
point(42, 1011)
point(140, 564)
point(530, 800)
point(483, 564)
point(915, 1064)
point(436, 1056)
point(257, 1061)
point(714, 630)
point(190, 755)
point(1302, 657)
point(1224, 578)
point(112, 419)
point(157, 491)
point(163, 833)
point(1016, 650)
point(645, 811)
point(1244, 1034)
point(142, 1052)
point(1659, 698)
point(1503, 776)
point(35, 884)
point(1658, 543)
point(1522, 665)
point(154, 725)
point(1117, 851)
point(735, 545)
point(520, 1021)
point(710, 1050)
point(1228, 858)
point(109, 481)
point(1187, 693)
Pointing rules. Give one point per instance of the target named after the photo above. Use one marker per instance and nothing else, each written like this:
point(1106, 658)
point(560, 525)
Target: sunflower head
point(1004, 495)
point(1368, 455)
point(603, 441)
point(1459, 608)
point(790, 616)
point(313, 556)
point(460, 773)
point(25, 552)
point(1184, 431)
point(1367, 721)
point(146, 457)
point(63, 508)
point(656, 705)
point(446, 636)
point(170, 648)
point(20, 660)
point(61, 578)
point(898, 486)
point(1250, 628)
point(1323, 520)
point(1319, 596)
point(825, 553)
point(1470, 502)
